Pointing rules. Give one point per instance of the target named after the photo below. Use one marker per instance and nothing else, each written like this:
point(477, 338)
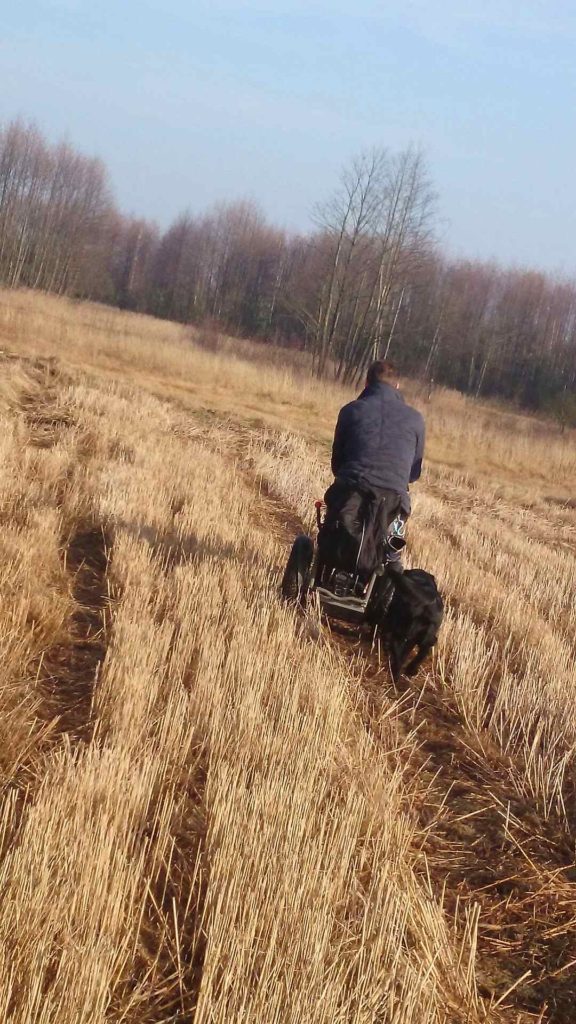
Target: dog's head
point(417, 591)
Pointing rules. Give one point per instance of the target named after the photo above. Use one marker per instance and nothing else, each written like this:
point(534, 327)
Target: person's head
point(382, 372)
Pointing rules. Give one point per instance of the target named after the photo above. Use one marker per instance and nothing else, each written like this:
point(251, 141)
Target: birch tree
point(373, 232)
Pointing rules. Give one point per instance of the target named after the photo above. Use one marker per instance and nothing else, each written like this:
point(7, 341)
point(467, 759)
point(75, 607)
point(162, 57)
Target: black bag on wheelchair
point(352, 536)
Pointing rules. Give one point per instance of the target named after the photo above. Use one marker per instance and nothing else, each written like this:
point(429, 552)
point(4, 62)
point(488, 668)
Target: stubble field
point(215, 810)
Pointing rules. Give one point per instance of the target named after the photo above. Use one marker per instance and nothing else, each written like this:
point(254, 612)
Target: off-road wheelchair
point(328, 568)
point(405, 606)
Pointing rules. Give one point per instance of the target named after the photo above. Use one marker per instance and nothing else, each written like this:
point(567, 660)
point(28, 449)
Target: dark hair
point(380, 372)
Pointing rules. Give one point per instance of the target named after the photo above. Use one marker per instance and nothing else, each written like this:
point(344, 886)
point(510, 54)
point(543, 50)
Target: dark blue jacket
point(379, 441)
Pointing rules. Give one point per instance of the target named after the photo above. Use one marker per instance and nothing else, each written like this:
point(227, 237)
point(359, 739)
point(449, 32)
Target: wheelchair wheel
point(296, 578)
point(380, 600)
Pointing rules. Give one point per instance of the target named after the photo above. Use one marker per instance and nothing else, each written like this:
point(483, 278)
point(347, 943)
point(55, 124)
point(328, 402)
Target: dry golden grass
point(213, 813)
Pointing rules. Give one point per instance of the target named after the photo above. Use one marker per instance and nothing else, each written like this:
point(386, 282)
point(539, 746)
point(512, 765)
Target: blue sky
point(193, 103)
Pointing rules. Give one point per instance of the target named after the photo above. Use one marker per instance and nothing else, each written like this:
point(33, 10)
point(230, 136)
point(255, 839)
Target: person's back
point(379, 439)
point(377, 452)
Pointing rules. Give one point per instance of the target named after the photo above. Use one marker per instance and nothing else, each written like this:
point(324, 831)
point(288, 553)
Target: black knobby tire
point(296, 578)
point(381, 599)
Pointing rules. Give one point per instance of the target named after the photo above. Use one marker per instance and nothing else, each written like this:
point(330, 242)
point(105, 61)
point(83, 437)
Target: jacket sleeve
point(338, 444)
point(416, 470)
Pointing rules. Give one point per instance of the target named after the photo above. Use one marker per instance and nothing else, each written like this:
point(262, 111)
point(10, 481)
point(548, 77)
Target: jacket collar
point(383, 389)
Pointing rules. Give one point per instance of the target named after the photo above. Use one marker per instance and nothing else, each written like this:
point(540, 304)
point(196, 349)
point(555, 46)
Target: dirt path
point(485, 845)
point(69, 670)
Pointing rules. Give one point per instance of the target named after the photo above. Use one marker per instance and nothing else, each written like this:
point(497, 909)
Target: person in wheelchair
point(377, 452)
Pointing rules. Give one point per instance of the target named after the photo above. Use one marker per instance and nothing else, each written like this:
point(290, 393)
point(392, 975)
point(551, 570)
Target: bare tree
point(372, 234)
point(55, 209)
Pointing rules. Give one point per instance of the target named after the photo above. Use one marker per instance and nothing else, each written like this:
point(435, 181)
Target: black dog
point(413, 619)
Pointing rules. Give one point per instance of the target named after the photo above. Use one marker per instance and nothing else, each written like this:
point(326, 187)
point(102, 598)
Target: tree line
point(367, 280)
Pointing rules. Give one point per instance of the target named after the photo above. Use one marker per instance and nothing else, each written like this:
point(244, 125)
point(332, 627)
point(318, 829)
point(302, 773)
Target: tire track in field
point(484, 844)
point(69, 670)
point(67, 675)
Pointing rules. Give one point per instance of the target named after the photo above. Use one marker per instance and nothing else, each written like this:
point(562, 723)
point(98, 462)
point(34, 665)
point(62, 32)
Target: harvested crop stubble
point(236, 824)
point(230, 841)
